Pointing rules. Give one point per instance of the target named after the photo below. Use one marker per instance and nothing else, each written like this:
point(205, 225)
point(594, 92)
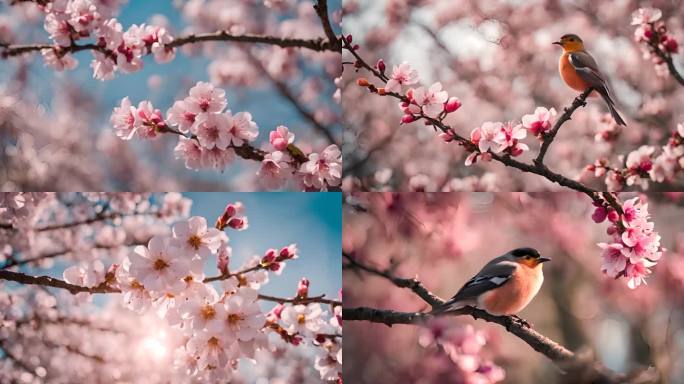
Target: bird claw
point(520, 321)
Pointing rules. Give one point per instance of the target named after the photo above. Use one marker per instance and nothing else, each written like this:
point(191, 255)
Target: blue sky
point(312, 220)
point(267, 107)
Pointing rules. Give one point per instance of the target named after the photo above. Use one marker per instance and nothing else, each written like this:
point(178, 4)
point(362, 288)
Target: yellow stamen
point(208, 312)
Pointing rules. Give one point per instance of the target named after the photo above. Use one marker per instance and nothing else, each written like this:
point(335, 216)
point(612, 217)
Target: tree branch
point(412, 284)
point(580, 101)
point(48, 281)
point(321, 8)
point(300, 300)
point(654, 43)
point(560, 355)
point(320, 44)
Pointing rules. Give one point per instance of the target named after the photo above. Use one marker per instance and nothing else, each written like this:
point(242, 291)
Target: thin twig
point(579, 101)
point(301, 300)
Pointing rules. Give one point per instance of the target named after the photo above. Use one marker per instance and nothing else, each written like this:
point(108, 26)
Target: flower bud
point(269, 257)
point(362, 82)
point(303, 288)
point(408, 119)
point(452, 105)
point(380, 66)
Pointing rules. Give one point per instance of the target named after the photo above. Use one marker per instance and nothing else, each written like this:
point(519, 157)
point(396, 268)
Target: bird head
point(527, 256)
point(570, 43)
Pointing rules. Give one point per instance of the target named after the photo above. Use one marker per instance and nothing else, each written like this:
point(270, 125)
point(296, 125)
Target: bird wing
point(493, 275)
point(587, 69)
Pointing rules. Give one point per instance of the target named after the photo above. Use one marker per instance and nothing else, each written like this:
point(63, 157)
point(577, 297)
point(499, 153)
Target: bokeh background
point(497, 58)
point(444, 239)
point(69, 143)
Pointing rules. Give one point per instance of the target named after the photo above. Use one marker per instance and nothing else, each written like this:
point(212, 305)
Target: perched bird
point(504, 286)
point(579, 71)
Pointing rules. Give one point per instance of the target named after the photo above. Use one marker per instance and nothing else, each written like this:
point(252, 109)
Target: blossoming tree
point(167, 319)
point(484, 80)
point(290, 59)
point(605, 312)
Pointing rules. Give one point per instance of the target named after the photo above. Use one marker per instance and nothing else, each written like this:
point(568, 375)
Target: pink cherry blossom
point(195, 237)
point(508, 139)
point(243, 318)
point(280, 138)
point(431, 100)
point(324, 169)
point(103, 67)
point(212, 132)
point(241, 129)
point(485, 136)
point(179, 115)
point(636, 273)
point(302, 319)
point(158, 266)
point(614, 262)
point(57, 60)
point(401, 75)
point(217, 158)
point(91, 274)
point(646, 15)
point(205, 99)
point(540, 121)
point(123, 119)
point(274, 170)
point(148, 121)
point(190, 151)
point(211, 349)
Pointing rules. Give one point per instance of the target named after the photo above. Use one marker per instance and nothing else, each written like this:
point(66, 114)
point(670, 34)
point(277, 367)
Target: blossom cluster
point(644, 164)
point(209, 134)
point(652, 32)
point(69, 21)
point(497, 137)
point(218, 326)
point(634, 246)
point(464, 346)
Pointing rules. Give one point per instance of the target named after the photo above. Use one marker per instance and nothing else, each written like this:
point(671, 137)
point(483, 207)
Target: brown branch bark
point(46, 281)
point(580, 101)
point(319, 44)
point(300, 300)
point(321, 8)
point(565, 359)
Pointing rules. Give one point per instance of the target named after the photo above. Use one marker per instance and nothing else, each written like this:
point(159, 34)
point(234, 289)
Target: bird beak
point(543, 259)
point(557, 43)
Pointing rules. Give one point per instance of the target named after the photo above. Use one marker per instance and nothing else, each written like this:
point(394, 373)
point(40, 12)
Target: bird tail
point(611, 106)
point(446, 307)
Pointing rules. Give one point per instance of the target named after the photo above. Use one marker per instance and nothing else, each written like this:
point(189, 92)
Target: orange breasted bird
point(504, 286)
point(579, 71)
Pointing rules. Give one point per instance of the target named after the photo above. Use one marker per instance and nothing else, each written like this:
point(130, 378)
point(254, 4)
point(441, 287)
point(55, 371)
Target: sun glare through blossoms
point(144, 288)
